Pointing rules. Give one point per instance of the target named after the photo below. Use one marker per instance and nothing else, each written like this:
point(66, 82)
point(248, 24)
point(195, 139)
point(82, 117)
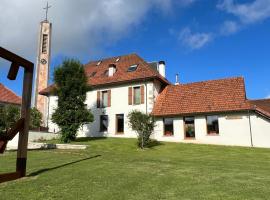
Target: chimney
point(176, 79)
point(112, 69)
point(161, 68)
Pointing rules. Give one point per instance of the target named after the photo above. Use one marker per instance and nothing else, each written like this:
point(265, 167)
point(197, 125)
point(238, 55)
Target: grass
point(116, 169)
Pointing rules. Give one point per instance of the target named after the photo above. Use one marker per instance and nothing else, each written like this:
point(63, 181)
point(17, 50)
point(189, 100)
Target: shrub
point(143, 124)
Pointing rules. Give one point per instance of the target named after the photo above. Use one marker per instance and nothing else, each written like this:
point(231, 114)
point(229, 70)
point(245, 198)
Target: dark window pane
point(103, 123)
point(212, 124)
point(168, 126)
point(120, 123)
point(189, 127)
point(132, 68)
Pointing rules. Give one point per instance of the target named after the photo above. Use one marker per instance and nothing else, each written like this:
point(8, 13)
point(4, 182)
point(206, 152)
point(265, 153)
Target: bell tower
point(42, 66)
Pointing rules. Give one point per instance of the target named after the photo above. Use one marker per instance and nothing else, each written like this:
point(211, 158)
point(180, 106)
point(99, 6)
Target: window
point(132, 68)
point(106, 72)
point(189, 127)
point(103, 123)
point(120, 123)
point(212, 124)
point(137, 95)
point(44, 43)
point(92, 74)
point(98, 63)
point(168, 126)
point(104, 99)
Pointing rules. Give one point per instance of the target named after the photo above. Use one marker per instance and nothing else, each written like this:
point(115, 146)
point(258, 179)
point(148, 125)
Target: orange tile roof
point(202, 97)
point(144, 71)
point(262, 106)
point(9, 97)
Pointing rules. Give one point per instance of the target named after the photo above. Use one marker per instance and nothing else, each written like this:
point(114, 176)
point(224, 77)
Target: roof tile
point(7, 96)
point(202, 97)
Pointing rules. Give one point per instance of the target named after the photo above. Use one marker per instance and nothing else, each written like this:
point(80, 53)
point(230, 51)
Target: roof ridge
point(112, 57)
point(268, 99)
point(212, 80)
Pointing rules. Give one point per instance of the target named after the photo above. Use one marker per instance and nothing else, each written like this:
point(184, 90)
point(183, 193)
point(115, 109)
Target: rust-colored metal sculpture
point(22, 126)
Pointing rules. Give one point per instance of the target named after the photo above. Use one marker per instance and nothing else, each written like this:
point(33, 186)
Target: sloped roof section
point(221, 95)
point(8, 97)
point(96, 71)
point(121, 75)
point(262, 106)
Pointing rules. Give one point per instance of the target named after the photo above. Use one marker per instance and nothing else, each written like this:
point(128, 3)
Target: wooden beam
point(25, 113)
point(15, 58)
point(28, 66)
point(9, 176)
point(13, 131)
point(3, 145)
point(13, 71)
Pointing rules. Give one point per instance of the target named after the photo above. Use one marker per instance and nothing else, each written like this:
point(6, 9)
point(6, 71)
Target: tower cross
point(47, 8)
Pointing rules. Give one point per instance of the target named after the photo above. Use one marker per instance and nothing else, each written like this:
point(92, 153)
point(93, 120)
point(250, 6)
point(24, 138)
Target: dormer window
point(117, 59)
point(112, 69)
point(99, 62)
point(132, 68)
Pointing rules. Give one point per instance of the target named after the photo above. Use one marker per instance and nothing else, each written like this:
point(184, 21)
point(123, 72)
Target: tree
point(71, 87)
point(143, 124)
point(10, 114)
point(35, 118)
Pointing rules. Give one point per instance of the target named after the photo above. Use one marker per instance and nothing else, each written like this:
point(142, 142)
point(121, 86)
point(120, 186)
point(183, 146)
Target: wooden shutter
point(130, 96)
point(98, 99)
point(142, 94)
point(109, 98)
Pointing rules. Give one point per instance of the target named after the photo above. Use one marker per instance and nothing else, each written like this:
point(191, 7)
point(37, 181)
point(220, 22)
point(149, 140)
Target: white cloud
point(245, 14)
point(268, 96)
point(81, 27)
point(229, 27)
point(248, 13)
point(194, 40)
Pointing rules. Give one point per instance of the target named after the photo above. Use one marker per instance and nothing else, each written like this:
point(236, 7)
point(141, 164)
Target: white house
point(211, 112)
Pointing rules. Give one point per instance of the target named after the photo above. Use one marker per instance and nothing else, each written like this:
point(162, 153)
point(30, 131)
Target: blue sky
point(200, 40)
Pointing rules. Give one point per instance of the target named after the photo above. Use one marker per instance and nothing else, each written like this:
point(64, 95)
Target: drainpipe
point(48, 112)
point(145, 97)
point(250, 129)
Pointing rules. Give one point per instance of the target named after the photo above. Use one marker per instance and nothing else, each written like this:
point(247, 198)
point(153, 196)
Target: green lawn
point(116, 169)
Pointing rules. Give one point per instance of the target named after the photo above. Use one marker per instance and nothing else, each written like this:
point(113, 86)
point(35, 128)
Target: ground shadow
point(154, 143)
point(86, 139)
point(59, 166)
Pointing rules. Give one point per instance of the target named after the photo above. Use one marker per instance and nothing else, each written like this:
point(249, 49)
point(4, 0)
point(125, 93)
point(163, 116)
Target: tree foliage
point(143, 124)
point(9, 115)
point(35, 118)
point(71, 88)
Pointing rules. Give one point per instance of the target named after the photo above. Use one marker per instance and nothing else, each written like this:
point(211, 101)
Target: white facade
point(234, 129)
point(240, 129)
point(119, 105)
